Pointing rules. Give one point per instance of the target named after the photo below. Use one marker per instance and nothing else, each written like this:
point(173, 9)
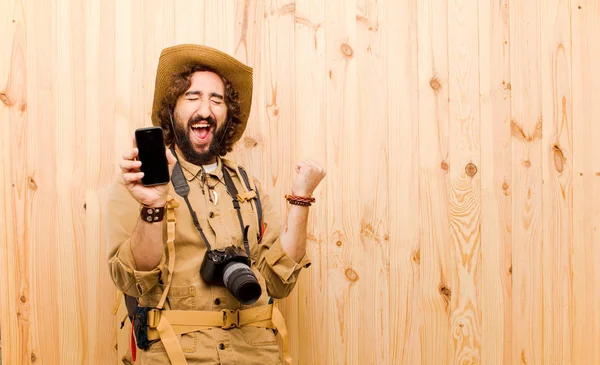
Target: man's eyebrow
point(199, 93)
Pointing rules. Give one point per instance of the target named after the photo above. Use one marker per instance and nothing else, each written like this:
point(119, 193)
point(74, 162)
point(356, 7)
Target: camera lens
point(241, 282)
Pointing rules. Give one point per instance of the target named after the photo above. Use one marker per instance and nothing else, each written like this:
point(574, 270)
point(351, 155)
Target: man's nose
point(204, 109)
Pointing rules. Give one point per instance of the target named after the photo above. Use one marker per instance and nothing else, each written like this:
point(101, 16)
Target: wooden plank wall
point(458, 223)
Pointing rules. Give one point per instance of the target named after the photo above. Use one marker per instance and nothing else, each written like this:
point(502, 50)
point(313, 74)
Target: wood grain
point(465, 180)
point(586, 183)
point(496, 183)
point(311, 137)
point(403, 182)
point(15, 280)
point(458, 222)
point(557, 161)
point(370, 54)
point(343, 218)
point(437, 264)
point(526, 132)
point(278, 50)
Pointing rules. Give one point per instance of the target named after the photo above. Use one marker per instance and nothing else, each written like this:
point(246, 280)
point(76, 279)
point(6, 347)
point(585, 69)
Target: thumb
point(171, 160)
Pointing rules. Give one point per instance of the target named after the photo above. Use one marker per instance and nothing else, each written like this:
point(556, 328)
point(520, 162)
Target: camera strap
point(183, 189)
point(233, 192)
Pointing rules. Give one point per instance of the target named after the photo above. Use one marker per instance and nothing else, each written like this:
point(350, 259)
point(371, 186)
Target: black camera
point(231, 267)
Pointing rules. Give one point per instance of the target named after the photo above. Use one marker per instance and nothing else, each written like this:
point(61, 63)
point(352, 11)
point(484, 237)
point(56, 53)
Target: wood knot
point(338, 243)
point(23, 108)
point(471, 169)
point(446, 295)
point(347, 50)
point(33, 357)
point(32, 184)
point(510, 270)
point(5, 99)
point(84, 206)
point(526, 164)
point(250, 142)
point(444, 166)
point(417, 256)
point(23, 299)
point(435, 84)
point(508, 86)
point(559, 159)
point(330, 74)
point(351, 275)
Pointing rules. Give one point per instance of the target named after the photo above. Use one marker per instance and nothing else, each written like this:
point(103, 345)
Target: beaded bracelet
point(300, 200)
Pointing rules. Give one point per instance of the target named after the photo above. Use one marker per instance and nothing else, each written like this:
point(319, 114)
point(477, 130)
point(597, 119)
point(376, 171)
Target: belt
point(167, 324)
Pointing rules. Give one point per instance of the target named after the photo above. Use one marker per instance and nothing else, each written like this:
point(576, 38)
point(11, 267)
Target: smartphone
point(152, 153)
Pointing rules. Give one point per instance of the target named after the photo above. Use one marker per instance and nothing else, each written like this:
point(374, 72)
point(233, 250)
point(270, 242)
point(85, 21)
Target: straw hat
point(173, 59)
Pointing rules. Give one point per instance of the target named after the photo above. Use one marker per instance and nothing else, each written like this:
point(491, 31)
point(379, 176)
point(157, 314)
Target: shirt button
point(221, 346)
point(217, 301)
point(211, 215)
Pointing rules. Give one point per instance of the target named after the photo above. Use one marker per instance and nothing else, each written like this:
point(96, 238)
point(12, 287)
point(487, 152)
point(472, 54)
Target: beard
point(182, 140)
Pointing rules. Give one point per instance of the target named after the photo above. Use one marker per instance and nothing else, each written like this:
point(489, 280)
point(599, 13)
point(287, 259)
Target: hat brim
point(174, 59)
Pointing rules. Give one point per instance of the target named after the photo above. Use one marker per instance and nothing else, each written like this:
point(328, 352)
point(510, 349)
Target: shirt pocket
point(258, 336)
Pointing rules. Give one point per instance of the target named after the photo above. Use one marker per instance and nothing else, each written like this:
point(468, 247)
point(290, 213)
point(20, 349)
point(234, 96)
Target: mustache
point(210, 120)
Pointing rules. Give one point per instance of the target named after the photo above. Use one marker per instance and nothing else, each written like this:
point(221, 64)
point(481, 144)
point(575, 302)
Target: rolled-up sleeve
point(121, 217)
point(277, 267)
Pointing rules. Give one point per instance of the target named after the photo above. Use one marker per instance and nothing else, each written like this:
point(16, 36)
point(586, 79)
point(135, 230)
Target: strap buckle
point(248, 195)
point(153, 318)
point(231, 318)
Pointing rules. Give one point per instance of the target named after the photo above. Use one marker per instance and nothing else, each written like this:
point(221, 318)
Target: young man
point(186, 306)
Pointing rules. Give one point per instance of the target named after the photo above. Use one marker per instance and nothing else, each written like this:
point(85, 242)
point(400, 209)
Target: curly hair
point(180, 83)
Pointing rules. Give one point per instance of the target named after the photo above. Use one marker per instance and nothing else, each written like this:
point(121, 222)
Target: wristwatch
point(152, 214)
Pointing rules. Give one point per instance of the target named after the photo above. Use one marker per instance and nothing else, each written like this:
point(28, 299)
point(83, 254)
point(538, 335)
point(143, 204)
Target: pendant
point(216, 197)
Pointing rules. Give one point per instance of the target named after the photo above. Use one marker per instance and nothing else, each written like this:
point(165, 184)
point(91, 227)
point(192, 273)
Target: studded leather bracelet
point(152, 214)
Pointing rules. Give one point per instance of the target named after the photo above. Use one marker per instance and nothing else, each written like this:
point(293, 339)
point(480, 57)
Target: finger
point(131, 155)
point(132, 177)
point(128, 166)
point(171, 160)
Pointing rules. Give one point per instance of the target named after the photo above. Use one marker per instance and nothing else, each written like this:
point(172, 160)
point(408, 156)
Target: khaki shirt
point(275, 270)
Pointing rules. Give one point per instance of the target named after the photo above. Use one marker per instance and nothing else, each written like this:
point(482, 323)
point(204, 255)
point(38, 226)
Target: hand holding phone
point(146, 169)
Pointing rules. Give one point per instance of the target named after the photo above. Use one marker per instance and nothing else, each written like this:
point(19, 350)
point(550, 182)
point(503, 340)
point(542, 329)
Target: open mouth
point(202, 130)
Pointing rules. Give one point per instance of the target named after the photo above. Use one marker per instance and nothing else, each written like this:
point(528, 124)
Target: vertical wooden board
point(465, 180)
point(248, 40)
point(15, 280)
point(437, 266)
point(129, 74)
point(496, 241)
point(219, 24)
point(188, 25)
point(343, 250)
point(69, 174)
point(373, 245)
point(99, 173)
point(526, 132)
point(44, 244)
point(279, 57)
point(159, 33)
point(311, 143)
point(557, 162)
point(403, 182)
point(586, 182)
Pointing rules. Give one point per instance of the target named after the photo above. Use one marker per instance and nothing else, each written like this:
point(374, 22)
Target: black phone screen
point(151, 146)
